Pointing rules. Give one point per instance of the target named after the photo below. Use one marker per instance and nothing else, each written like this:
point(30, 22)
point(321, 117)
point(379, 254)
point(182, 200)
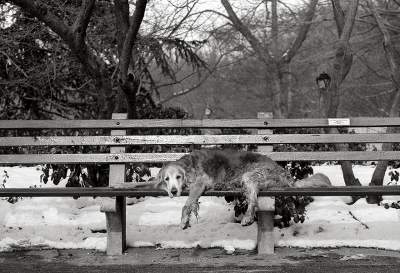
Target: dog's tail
point(315, 181)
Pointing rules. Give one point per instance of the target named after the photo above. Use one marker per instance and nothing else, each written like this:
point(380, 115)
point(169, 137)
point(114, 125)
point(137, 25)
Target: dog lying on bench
point(250, 172)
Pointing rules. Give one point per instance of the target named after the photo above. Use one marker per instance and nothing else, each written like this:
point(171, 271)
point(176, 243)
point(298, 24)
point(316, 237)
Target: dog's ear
point(160, 179)
point(160, 175)
point(184, 176)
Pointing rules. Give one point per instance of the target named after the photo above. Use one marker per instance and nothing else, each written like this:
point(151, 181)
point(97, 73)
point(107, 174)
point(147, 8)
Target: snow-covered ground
point(67, 223)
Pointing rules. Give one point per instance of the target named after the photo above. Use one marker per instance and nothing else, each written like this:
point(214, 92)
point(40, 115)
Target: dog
point(250, 172)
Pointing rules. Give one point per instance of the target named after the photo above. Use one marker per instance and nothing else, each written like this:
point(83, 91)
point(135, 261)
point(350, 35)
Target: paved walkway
point(199, 260)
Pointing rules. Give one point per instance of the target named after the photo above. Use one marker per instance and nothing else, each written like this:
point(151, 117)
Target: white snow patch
point(160, 218)
point(359, 256)
point(179, 244)
point(232, 244)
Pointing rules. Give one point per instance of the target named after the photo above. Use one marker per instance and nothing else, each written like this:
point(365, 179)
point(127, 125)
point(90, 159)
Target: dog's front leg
point(192, 203)
point(250, 186)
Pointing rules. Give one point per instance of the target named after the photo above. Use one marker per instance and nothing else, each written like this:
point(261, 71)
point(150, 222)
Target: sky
point(163, 7)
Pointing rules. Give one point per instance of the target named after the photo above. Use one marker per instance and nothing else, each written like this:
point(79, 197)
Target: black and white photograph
point(194, 136)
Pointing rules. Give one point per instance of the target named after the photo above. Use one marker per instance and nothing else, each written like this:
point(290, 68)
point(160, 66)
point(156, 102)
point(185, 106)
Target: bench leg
point(116, 228)
point(265, 232)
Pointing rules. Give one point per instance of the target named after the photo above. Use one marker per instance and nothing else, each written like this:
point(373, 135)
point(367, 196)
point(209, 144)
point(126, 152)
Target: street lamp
point(323, 80)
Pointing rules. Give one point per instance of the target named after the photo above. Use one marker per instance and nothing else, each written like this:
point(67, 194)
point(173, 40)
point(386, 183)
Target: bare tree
point(341, 66)
point(392, 58)
point(276, 60)
point(343, 55)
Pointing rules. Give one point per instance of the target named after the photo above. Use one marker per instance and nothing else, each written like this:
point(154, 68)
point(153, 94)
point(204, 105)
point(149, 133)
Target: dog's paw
point(247, 220)
point(185, 218)
point(123, 185)
point(185, 225)
point(185, 222)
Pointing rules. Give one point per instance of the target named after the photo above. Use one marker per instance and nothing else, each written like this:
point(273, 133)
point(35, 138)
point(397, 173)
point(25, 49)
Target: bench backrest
point(114, 136)
point(118, 138)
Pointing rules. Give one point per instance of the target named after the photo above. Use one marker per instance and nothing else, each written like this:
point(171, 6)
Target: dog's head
point(172, 178)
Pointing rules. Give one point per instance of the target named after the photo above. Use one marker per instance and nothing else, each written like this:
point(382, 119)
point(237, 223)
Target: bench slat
point(165, 157)
point(110, 192)
point(197, 139)
point(189, 123)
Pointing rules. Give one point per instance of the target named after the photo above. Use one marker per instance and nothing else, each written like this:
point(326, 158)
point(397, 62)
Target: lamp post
point(323, 82)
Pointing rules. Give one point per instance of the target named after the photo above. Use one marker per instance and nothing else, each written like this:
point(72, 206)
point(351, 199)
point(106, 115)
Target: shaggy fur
point(223, 170)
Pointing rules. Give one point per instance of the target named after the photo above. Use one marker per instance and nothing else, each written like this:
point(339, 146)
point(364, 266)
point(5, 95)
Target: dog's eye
point(167, 179)
point(178, 177)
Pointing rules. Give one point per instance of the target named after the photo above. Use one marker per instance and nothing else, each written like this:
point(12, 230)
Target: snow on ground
point(154, 221)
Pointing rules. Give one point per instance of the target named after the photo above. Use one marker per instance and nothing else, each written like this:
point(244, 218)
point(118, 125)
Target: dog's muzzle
point(174, 193)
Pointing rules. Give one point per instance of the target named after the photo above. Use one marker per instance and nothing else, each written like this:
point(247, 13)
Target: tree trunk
point(285, 86)
point(128, 81)
point(380, 170)
point(347, 168)
point(277, 103)
point(341, 67)
point(130, 89)
point(391, 57)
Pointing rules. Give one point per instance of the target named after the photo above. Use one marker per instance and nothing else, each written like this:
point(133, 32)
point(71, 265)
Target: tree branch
point(274, 30)
point(82, 21)
point(216, 12)
point(302, 32)
point(134, 25)
point(388, 46)
point(179, 24)
point(16, 65)
point(41, 11)
point(121, 11)
point(338, 14)
point(193, 87)
point(67, 33)
point(245, 31)
point(349, 23)
point(343, 57)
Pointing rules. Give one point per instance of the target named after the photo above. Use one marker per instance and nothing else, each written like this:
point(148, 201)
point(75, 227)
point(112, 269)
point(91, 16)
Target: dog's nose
point(174, 190)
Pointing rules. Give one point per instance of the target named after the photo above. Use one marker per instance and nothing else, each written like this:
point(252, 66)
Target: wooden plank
point(265, 138)
point(333, 156)
point(166, 157)
point(116, 220)
point(109, 192)
point(266, 135)
point(190, 123)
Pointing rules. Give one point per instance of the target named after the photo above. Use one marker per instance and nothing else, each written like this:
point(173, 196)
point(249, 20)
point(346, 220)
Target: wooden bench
point(117, 158)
